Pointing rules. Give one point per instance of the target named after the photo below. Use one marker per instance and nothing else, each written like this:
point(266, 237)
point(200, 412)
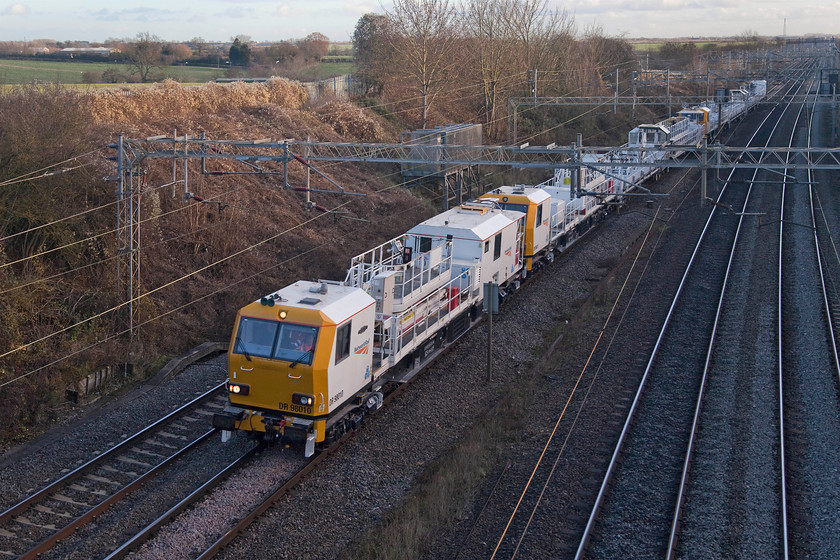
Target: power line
point(188, 304)
point(44, 170)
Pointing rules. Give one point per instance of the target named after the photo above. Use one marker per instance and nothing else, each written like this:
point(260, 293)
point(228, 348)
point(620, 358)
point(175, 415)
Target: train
point(308, 362)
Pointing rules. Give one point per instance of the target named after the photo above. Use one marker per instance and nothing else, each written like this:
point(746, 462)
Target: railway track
point(736, 437)
point(635, 512)
point(35, 524)
point(808, 373)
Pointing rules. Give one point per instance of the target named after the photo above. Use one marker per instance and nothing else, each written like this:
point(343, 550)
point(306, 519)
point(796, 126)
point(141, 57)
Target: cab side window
point(342, 342)
point(425, 244)
point(539, 216)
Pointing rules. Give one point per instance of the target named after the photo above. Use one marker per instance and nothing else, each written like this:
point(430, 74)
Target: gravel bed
point(733, 496)
point(811, 403)
point(96, 428)
point(196, 529)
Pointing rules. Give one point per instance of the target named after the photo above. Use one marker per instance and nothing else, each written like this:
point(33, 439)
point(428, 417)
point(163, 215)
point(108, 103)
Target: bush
point(89, 77)
point(349, 120)
point(113, 106)
point(113, 76)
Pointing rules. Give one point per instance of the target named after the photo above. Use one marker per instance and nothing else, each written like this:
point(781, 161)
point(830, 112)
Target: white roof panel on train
point(479, 224)
point(656, 126)
point(336, 303)
point(534, 194)
point(693, 110)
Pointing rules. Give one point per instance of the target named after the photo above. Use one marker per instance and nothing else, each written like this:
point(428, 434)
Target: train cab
point(296, 358)
point(535, 203)
point(648, 135)
point(758, 88)
point(699, 115)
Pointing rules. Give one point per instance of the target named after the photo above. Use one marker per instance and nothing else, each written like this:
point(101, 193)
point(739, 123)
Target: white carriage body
point(485, 240)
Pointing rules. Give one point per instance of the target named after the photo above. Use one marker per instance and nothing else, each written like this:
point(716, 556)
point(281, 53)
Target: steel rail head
point(75, 473)
point(74, 525)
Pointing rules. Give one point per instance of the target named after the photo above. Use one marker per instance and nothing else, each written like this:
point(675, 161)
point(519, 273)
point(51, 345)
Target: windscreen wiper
point(300, 358)
point(238, 342)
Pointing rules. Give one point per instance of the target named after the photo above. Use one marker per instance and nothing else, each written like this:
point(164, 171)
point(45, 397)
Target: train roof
point(657, 126)
point(333, 302)
point(532, 193)
point(699, 109)
point(482, 220)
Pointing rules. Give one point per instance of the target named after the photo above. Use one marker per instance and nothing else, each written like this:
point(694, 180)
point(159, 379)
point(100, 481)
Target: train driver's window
point(342, 342)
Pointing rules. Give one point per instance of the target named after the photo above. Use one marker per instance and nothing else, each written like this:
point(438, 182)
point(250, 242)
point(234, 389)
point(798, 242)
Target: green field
point(327, 70)
point(29, 71)
point(655, 46)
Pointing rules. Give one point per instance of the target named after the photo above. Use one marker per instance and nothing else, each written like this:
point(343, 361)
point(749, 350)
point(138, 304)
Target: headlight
point(239, 389)
point(305, 400)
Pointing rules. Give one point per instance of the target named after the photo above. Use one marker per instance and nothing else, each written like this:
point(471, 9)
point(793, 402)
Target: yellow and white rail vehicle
point(308, 362)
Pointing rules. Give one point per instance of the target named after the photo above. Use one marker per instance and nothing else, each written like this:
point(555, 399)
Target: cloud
point(359, 8)
point(236, 12)
point(283, 10)
point(652, 7)
point(139, 14)
point(16, 10)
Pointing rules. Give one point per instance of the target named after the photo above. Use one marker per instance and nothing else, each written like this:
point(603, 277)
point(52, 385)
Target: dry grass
point(447, 486)
point(350, 120)
point(119, 106)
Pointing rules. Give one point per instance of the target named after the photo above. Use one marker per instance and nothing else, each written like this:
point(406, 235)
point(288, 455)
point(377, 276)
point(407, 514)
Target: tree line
point(147, 52)
point(482, 52)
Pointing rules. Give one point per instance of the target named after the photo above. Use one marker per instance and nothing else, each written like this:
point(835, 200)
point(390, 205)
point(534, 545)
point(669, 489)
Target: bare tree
point(199, 45)
point(144, 55)
point(176, 52)
point(597, 55)
point(314, 46)
point(751, 40)
point(491, 40)
point(510, 39)
point(423, 45)
point(544, 36)
point(370, 49)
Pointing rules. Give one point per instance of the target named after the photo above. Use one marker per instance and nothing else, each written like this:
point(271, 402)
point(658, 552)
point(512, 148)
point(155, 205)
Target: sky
point(277, 20)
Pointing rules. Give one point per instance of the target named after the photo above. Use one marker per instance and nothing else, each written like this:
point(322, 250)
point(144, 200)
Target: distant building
point(101, 51)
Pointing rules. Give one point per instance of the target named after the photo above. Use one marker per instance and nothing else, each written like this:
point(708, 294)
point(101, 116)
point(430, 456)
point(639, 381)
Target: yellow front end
point(290, 362)
point(509, 199)
point(278, 363)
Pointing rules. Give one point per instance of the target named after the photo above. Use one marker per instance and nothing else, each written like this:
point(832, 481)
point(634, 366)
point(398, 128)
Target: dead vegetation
point(56, 273)
point(116, 106)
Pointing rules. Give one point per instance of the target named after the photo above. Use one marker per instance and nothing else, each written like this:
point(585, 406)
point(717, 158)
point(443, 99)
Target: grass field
point(655, 46)
point(29, 71)
point(328, 70)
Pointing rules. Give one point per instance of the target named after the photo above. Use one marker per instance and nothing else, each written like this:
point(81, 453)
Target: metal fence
point(347, 85)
